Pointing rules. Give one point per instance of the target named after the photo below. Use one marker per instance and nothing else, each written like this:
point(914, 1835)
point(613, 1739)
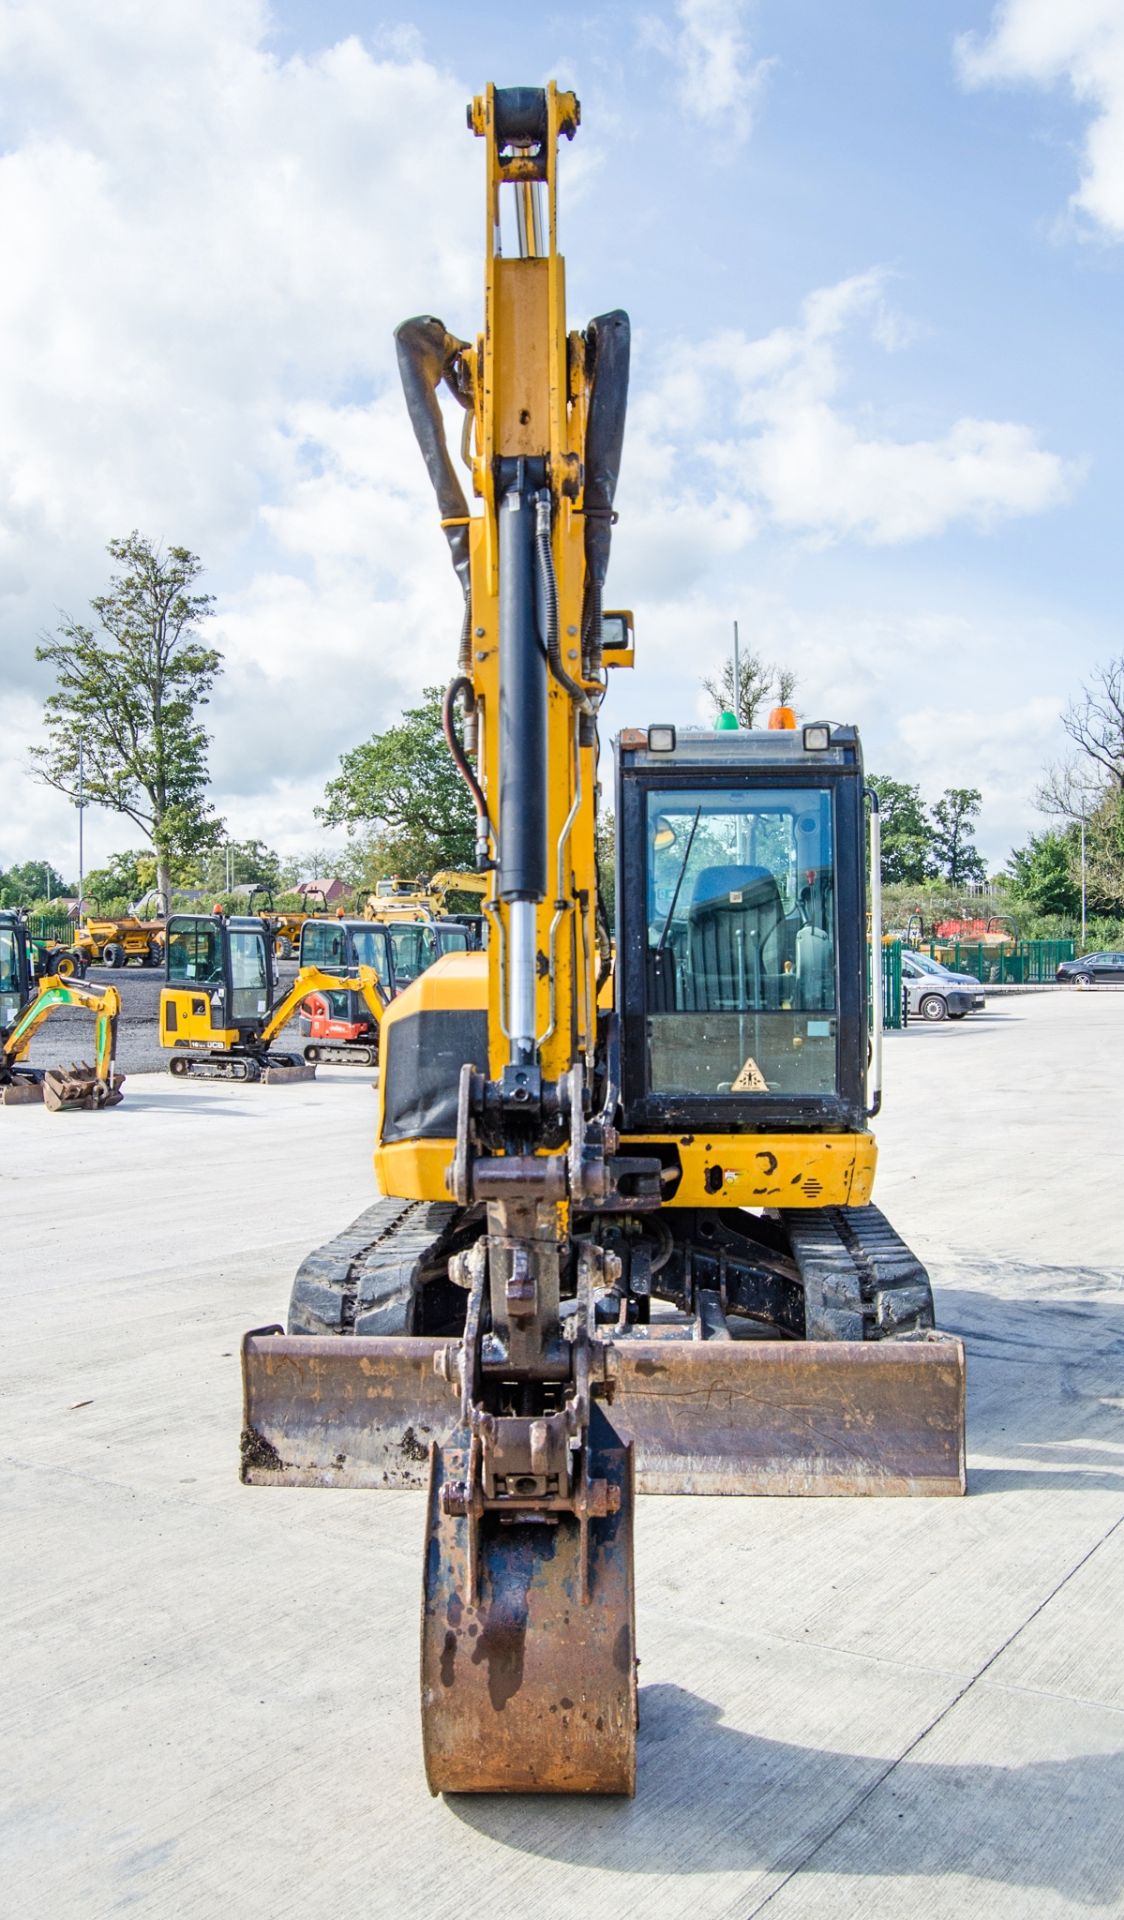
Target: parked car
point(932, 992)
point(1092, 967)
point(937, 968)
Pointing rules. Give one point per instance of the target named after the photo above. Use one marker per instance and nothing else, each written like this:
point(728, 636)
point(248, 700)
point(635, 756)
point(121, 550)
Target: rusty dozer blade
point(528, 1637)
point(727, 1417)
point(22, 1090)
point(77, 1088)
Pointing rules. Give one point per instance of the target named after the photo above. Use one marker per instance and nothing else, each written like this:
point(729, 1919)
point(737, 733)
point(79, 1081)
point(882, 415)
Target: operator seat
point(735, 940)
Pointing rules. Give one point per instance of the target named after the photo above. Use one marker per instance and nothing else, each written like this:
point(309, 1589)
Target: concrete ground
point(875, 1708)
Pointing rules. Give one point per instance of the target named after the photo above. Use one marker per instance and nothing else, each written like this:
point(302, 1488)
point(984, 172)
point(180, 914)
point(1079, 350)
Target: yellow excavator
point(61, 1089)
point(218, 1016)
point(624, 1249)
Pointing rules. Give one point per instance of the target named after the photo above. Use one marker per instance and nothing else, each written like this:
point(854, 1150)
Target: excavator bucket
point(78, 1088)
point(528, 1637)
point(719, 1417)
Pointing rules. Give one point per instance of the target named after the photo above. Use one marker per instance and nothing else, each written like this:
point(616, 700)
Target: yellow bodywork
point(54, 991)
point(714, 1169)
point(186, 1020)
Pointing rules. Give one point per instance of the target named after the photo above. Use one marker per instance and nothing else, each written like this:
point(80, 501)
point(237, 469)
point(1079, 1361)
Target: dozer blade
point(276, 1073)
point(77, 1089)
point(21, 1091)
point(527, 1686)
point(729, 1417)
point(794, 1417)
point(340, 1413)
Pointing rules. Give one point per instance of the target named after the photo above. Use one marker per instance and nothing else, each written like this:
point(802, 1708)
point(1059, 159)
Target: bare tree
point(1070, 790)
point(757, 678)
point(1095, 721)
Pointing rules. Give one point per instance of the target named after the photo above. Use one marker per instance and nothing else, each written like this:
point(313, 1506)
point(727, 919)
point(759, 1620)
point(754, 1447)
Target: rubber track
point(364, 1280)
point(860, 1280)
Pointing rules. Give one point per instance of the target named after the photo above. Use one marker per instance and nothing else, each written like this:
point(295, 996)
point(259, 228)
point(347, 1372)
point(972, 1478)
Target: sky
point(872, 256)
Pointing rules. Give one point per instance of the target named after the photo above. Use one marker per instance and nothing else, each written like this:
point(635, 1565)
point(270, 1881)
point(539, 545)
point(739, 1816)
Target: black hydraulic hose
point(427, 355)
point(548, 588)
point(608, 337)
point(462, 688)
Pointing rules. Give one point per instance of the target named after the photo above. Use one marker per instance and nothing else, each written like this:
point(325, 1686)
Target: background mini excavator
point(62, 1089)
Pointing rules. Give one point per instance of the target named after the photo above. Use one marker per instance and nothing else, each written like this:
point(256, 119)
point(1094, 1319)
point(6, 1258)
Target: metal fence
point(891, 981)
point(47, 926)
point(1028, 962)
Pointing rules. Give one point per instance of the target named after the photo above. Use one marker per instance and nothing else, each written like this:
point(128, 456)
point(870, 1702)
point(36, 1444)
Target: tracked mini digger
point(61, 1089)
point(622, 1249)
point(218, 1016)
point(342, 1027)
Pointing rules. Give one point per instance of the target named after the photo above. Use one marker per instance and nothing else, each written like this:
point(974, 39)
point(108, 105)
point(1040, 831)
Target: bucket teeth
point(77, 1088)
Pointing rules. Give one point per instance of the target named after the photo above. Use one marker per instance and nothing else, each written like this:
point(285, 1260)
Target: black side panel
point(422, 1057)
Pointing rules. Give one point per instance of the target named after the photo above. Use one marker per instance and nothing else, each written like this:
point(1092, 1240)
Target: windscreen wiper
point(666, 928)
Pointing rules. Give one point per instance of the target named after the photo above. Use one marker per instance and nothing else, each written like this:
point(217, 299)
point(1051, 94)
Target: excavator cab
point(14, 968)
point(340, 1029)
point(742, 990)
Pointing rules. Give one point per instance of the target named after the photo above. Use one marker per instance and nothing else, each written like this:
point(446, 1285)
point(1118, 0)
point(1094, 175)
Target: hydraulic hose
point(548, 589)
point(461, 689)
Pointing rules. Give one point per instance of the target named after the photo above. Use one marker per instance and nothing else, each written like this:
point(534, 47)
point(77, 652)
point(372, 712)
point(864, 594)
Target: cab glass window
point(324, 944)
point(194, 953)
point(9, 977)
point(249, 973)
point(371, 949)
point(415, 949)
point(741, 956)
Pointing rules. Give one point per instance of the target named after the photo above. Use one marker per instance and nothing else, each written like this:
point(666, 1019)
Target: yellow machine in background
point(114, 943)
point(626, 1248)
point(60, 1088)
point(218, 1018)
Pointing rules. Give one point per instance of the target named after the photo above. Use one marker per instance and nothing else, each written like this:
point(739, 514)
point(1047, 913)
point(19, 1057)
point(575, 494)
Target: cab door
point(251, 976)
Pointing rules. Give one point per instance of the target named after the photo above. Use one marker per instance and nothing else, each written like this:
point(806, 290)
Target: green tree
point(248, 863)
point(907, 835)
point(760, 682)
point(128, 693)
point(31, 881)
point(404, 786)
point(955, 855)
point(1042, 873)
point(125, 877)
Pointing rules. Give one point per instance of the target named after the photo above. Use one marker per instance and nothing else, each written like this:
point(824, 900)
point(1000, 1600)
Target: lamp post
point(1083, 912)
point(737, 701)
point(81, 822)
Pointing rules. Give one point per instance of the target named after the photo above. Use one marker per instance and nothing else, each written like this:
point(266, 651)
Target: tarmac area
point(869, 1707)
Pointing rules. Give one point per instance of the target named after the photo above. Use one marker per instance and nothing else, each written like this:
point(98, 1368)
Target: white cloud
point(717, 76)
point(1079, 43)
point(766, 419)
point(206, 250)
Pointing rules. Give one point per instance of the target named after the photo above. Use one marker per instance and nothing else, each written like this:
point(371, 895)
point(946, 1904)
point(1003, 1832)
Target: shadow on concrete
point(712, 1800)
point(1044, 1374)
